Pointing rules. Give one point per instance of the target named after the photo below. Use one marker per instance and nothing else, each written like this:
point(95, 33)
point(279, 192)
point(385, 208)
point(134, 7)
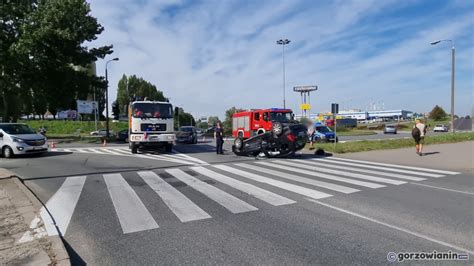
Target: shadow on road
point(73, 256)
point(430, 153)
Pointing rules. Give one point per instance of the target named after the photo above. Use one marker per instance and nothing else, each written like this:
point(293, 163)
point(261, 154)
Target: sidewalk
point(451, 156)
point(23, 237)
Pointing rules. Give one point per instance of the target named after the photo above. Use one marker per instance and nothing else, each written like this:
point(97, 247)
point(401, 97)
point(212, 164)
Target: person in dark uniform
point(219, 137)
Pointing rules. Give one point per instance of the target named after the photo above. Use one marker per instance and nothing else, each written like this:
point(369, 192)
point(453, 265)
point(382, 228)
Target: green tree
point(437, 113)
point(115, 110)
point(44, 51)
point(212, 120)
point(182, 118)
point(228, 119)
point(133, 86)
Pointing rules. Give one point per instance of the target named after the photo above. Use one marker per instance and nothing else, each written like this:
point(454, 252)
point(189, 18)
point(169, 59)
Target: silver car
point(16, 139)
point(390, 129)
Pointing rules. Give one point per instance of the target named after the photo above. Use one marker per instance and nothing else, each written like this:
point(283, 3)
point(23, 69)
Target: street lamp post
point(453, 60)
point(283, 43)
point(107, 97)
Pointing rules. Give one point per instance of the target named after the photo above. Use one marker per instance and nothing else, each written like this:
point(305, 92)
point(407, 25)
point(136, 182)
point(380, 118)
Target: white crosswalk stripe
point(326, 176)
point(299, 179)
point(382, 168)
point(283, 185)
point(179, 204)
point(262, 194)
point(342, 173)
point(132, 213)
point(399, 166)
point(315, 162)
point(228, 201)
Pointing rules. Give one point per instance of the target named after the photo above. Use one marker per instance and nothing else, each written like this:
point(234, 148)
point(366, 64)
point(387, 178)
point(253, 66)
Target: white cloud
point(213, 55)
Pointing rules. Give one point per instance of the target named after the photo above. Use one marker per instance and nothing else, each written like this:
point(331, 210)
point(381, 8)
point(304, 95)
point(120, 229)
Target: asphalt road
point(196, 207)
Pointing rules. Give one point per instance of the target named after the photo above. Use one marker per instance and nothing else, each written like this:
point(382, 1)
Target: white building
point(379, 114)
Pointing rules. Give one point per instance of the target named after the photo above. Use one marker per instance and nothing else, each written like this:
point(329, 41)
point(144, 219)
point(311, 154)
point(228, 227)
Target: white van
point(16, 139)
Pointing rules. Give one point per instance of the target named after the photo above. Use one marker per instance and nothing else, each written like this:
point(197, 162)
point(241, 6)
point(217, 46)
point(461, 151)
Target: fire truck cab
point(253, 122)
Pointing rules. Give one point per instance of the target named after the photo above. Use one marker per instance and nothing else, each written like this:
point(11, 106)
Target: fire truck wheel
point(238, 143)
point(277, 128)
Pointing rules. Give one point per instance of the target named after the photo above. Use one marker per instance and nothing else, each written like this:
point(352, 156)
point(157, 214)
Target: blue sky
point(208, 56)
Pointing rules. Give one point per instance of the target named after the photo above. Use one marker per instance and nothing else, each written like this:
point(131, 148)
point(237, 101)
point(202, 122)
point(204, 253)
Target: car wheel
point(238, 143)
point(134, 148)
point(7, 152)
point(277, 128)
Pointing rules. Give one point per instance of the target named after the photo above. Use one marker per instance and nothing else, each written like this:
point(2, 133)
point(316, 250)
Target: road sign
point(305, 106)
point(334, 108)
point(86, 107)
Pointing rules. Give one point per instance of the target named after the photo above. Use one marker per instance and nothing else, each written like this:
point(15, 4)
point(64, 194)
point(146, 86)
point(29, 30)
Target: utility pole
point(283, 43)
point(107, 97)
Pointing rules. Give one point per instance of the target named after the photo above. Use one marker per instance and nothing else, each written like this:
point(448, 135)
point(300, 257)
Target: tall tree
point(437, 113)
point(134, 86)
point(47, 45)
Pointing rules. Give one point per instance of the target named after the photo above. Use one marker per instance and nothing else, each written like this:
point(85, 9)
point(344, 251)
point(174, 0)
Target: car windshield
point(280, 117)
point(439, 125)
point(323, 129)
point(389, 126)
point(17, 129)
point(152, 110)
point(186, 129)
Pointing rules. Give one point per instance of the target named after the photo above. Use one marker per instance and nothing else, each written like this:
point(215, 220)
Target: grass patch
point(72, 128)
point(370, 145)
point(356, 132)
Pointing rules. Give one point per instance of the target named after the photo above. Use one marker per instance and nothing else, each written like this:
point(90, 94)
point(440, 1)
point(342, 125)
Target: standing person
point(418, 133)
point(219, 137)
point(311, 131)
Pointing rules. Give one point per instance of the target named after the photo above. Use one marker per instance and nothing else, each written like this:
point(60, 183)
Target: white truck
point(151, 124)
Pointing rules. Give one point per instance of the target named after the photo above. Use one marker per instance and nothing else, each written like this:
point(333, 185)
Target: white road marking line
point(62, 204)
point(228, 201)
point(326, 176)
point(121, 151)
point(442, 188)
point(178, 161)
point(108, 151)
point(283, 185)
point(94, 151)
point(131, 211)
point(399, 166)
point(67, 150)
point(190, 157)
point(259, 193)
point(178, 203)
point(343, 173)
point(412, 178)
point(394, 227)
point(380, 168)
point(296, 178)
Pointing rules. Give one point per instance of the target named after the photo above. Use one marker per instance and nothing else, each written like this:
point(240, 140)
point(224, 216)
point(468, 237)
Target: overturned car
point(281, 136)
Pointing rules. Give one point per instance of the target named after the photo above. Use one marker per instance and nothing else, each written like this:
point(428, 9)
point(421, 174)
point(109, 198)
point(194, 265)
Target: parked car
point(390, 129)
point(16, 139)
point(323, 133)
point(440, 128)
point(187, 134)
point(101, 132)
point(122, 135)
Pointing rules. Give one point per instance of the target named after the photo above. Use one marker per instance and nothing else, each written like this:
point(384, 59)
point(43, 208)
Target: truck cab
point(151, 124)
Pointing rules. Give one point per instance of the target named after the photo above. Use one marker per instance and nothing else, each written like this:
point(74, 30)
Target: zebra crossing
point(174, 157)
point(300, 179)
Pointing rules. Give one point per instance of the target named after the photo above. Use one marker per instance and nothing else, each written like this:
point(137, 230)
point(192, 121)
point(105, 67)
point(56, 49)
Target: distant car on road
point(440, 128)
point(101, 132)
point(324, 134)
point(122, 135)
point(390, 129)
point(16, 139)
point(187, 134)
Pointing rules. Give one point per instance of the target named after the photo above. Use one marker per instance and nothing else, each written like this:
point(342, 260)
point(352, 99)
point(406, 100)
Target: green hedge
point(60, 127)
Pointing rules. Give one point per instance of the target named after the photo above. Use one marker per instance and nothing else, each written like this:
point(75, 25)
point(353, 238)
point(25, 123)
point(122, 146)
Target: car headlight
point(14, 139)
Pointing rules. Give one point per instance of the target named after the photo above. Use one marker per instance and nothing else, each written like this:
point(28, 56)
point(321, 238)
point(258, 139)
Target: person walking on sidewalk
point(418, 133)
point(219, 137)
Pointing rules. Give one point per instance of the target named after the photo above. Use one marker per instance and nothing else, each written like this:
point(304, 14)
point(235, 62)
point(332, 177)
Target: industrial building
point(377, 114)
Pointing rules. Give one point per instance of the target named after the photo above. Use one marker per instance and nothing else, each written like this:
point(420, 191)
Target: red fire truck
point(253, 122)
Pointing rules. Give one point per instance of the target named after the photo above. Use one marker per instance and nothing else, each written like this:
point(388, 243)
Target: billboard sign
point(86, 107)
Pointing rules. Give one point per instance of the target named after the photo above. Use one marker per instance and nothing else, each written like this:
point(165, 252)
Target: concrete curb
point(57, 252)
